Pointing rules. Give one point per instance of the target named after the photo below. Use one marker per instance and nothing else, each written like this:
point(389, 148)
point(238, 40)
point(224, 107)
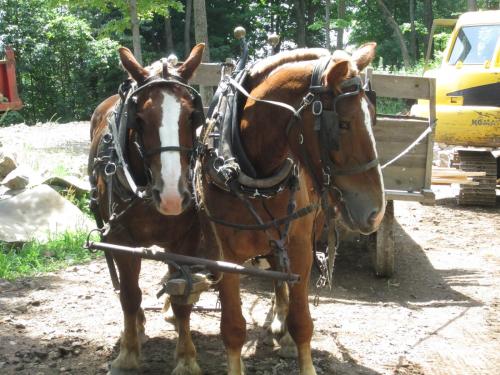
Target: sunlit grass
point(34, 257)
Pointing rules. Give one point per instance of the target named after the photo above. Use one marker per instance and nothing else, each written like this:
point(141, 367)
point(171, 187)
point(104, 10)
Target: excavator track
point(478, 161)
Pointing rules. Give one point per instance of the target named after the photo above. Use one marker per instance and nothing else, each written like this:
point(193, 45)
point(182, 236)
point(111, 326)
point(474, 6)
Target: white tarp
point(39, 213)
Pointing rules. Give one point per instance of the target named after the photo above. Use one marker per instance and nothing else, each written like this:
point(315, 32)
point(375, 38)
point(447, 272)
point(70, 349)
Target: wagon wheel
point(381, 244)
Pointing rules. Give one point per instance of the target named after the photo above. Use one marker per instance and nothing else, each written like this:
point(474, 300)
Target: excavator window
point(475, 44)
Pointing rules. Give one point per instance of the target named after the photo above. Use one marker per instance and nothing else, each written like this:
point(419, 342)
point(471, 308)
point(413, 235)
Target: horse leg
point(278, 326)
point(130, 298)
point(299, 320)
point(185, 352)
point(233, 328)
point(141, 323)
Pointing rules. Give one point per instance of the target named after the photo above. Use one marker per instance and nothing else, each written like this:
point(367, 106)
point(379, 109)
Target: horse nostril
point(373, 217)
point(156, 195)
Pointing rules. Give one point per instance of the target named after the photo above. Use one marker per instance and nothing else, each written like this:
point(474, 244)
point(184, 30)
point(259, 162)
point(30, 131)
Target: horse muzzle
point(360, 215)
point(171, 204)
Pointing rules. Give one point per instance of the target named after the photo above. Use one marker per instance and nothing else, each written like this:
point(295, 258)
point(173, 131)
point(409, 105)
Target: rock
point(39, 213)
point(53, 355)
point(35, 303)
point(69, 182)
point(7, 165)
point(41, 354)
point(64, 350)
point(16, 180)
point(20, 326)
point(23, 309)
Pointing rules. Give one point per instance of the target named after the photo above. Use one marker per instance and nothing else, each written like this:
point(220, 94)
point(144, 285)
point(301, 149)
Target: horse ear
point(364, 55)
point(132, 66)
point(336, 72)
point(187, 69)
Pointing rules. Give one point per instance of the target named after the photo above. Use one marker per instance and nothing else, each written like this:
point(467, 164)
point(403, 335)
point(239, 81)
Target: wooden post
point(382, 243)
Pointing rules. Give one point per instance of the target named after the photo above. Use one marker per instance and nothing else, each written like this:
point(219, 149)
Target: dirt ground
point(439, 314)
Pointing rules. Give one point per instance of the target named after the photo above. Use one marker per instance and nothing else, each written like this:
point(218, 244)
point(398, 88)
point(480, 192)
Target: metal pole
point(157, 253)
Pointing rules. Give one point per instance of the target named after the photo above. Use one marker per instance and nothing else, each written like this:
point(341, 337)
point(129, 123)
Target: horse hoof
point(269, 340)
point(187, 367)
point(287, 349)
point(143, 338)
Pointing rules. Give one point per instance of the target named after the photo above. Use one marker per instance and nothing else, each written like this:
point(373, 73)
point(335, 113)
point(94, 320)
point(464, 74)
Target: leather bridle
point(327, 126)
point(197, 116)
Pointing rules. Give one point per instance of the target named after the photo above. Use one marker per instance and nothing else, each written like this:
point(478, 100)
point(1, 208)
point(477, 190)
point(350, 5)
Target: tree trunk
point(187, 28)
point(471, 5)
point(340, 30)
point(200, 26)
point(428, 18)
point(201, 36)
point(397, 32)
point(169, 41)
point(300, 13)
point(136, 37)
point(327, 24)
point(413, 32)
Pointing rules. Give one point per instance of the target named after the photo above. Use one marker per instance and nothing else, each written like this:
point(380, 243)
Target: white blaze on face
point(368, 121)
point(170, 160)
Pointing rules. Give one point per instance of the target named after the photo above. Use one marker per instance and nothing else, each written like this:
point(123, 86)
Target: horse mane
point(155, 68)
point(264, 67)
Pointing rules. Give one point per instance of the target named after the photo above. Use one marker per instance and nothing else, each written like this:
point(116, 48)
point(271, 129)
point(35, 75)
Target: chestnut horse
point(160, 113)
point(339, 163)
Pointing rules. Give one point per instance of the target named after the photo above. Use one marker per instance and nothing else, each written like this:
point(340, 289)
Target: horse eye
point(344, 125)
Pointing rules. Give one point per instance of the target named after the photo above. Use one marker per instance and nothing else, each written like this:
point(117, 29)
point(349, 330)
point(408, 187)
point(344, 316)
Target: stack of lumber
point(447, 176)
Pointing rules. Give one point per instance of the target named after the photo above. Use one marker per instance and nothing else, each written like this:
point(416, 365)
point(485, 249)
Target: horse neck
point(263, 126)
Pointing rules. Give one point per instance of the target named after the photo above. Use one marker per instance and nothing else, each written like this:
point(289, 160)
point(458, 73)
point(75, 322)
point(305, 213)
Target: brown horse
point(337, 158)
point(156, 115)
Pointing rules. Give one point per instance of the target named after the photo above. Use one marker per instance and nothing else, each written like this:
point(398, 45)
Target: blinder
point(327, 123)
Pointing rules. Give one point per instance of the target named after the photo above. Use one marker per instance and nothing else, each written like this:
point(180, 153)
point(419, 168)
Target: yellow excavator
point(468, 99)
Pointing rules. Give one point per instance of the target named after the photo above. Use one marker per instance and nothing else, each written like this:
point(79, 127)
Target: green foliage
point(63, 72)
point(67, 50)
point(35, 257)
point(79, 200)
point(10, 117)
point(119, 11)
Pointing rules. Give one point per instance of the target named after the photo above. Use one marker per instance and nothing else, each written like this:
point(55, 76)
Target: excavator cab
point(468, 97)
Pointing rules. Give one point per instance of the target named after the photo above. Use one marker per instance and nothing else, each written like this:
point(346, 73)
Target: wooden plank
point(404, 196)
point(430, 137)
point(448, 181)
point(207, 74)
point(398, 86)
point(404, 179)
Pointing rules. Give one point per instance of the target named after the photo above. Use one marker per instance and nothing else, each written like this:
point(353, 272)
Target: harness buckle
point(110, 169)
point(308, 98)
point(327, 178)
point(107, 138)
point(317, 108)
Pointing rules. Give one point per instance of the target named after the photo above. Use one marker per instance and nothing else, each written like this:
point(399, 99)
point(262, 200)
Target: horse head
point(344, 152)
point(166, 112)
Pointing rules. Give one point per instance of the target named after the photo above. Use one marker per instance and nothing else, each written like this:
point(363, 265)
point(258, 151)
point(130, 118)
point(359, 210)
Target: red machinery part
point(9, 98)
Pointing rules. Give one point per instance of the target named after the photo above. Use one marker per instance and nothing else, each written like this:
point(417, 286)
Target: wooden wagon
point(409, 177)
